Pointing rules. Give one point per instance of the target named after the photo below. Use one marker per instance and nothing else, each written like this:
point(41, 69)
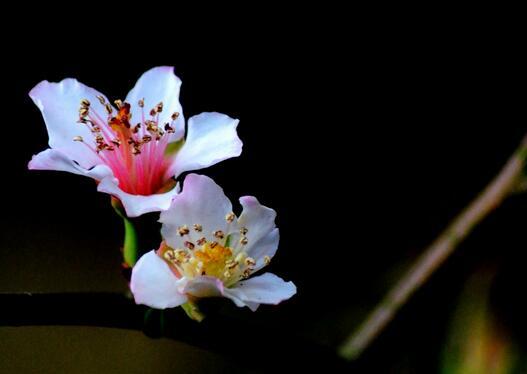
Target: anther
point(219, 234)
point(101, 99)
point(169, 129)
point(244, 240)
point(227, 274)
point(141, 103)
point(83, 112)
point(198, 227)
point(267, 260)
point(189, 245)
point(117, 142)
point(213, 244)
point(153, 112)
point(231, 264)
point(108, 108)
point(159, 107)
point(201, 241)
point(146, 138)
point(118, 103)
point(174, 116)
point(85, 103)
point(78, 138)
point(230, 217)
point(244, 231)
point(183, 230)
point(249, 261)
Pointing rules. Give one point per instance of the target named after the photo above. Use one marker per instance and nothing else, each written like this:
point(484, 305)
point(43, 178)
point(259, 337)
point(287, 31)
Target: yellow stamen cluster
point(219, 256)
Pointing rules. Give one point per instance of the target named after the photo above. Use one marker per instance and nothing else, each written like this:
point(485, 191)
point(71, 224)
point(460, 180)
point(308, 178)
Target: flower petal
point(201, 202)
point(157, 85)
point(262, 233)
point(136, 205)
point(264, 289)
point(55, 159)
point(211, 138)
point(204, 286)
point(59, 104)
point(154, 284)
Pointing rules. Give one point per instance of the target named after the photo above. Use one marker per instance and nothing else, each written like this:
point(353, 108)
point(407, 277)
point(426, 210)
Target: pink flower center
point(135, 153)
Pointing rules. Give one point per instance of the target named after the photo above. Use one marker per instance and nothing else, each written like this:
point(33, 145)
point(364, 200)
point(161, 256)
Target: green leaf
point(130, 246)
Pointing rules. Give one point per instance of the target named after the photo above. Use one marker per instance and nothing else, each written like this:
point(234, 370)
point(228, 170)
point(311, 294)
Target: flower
point(208, 251)
point(134, 149)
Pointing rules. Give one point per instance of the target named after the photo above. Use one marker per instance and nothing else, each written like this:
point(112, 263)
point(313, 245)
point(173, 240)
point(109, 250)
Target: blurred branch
point(244, 340)
point(504, 184)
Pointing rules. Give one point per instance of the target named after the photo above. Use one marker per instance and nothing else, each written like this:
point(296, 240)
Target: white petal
point(55, 159)
point(201, 202)
point(262, 234)
point(136, 205)
point(157, 85)
point(264, 289)
point(59, 104)
point(154, 284)
point(204, 286)
point(211, 138)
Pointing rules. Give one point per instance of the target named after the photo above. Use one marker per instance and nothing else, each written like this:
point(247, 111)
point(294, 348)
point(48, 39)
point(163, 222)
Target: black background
point(365, 139)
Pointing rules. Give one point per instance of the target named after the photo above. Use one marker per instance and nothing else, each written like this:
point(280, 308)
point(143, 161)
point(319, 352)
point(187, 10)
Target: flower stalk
point(130, 244)
point(506, 183)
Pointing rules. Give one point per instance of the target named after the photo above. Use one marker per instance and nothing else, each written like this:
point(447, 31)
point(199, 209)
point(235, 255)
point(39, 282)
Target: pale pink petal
point(211, 138)
point(136, 205)
point(159, 84)
point(55, 159)
point(262, 234)
point(59, 104)
point(153, 283)
point(204, 286)
point(201, 202)
point(264, 289)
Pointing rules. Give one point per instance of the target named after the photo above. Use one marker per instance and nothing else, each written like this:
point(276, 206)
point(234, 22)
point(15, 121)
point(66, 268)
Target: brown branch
point(491, 197)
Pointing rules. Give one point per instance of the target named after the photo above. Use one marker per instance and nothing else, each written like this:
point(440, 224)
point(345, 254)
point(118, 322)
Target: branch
point(242, 340)
point(504, 184)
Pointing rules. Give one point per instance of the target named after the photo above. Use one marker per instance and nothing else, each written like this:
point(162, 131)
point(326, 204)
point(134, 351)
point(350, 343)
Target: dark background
point(365, 139)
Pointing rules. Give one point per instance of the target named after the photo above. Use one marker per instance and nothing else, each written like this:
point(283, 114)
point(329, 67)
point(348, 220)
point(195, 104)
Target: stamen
point(141, 103)
point(174, 116)
point(189, 245)
point(101, 99)
point(183, 230)
point(267, 260)
point(78, 138)
point(249, 261)
point(230, 217)
point(244, 240)
point(219, 234)
point(244, 231)
point(198, 227)
point(201, 241)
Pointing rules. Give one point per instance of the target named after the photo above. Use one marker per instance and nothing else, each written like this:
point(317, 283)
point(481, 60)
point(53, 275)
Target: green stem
point(503, 185)
point(130, 235)
point(192, 310)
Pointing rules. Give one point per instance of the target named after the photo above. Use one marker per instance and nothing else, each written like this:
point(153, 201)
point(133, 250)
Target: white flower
point(211, 252)
point(135, 149)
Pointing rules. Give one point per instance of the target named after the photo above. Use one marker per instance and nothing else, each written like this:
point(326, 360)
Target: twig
point(491, 197)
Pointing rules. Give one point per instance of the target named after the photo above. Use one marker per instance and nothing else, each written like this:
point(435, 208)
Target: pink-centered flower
point(209, 251)
point(133, 149)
